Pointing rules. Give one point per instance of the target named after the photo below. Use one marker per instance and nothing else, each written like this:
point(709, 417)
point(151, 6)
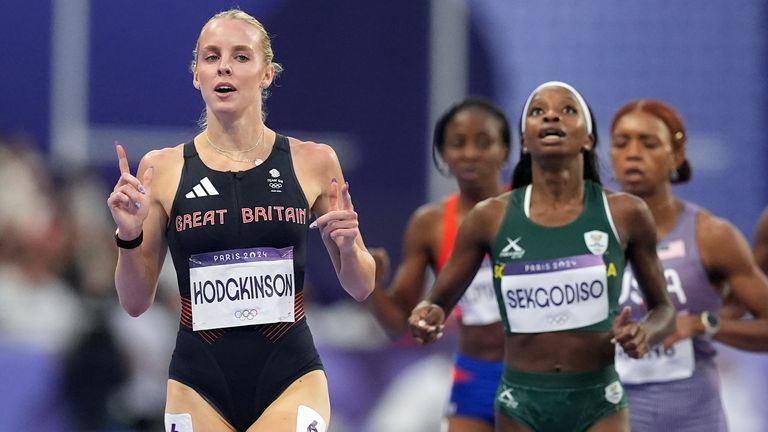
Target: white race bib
point(241, 287)
point(657, 365)
point(555, 294)
point(478, 304)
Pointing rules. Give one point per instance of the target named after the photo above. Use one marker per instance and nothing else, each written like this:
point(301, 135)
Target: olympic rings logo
point(559, 320)
point(246, 314)
point(275, 185)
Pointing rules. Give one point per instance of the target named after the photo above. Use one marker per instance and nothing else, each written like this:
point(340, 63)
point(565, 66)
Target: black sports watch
point(711, 323)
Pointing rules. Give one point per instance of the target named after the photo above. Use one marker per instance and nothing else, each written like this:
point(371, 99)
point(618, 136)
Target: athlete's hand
point(129, 200)
point(426, 322)
point(687, 327)
point(381, 258)
point(340, 223)
point(629, 334)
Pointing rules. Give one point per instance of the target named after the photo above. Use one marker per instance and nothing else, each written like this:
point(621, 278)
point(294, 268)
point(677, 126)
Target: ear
point(269, 76)
point(195, 79)
point(589, 144)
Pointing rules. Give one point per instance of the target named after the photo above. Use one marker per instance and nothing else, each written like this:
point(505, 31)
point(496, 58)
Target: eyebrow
point(235, 48)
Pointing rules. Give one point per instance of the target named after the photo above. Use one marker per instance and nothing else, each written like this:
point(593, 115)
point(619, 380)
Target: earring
point(524, 150)
point(673, 175)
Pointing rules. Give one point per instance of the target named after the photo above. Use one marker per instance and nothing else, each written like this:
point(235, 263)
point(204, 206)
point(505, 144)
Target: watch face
point(713, 320)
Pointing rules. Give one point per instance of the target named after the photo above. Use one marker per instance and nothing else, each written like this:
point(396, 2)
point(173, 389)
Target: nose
point(551, 116)
point(224, 69)
point(470, 150)
point(632, 150)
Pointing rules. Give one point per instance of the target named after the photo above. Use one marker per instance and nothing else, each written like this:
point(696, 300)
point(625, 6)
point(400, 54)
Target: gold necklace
point(226, 153)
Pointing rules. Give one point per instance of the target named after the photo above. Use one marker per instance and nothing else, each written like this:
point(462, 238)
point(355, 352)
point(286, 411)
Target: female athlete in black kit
point(233, 207)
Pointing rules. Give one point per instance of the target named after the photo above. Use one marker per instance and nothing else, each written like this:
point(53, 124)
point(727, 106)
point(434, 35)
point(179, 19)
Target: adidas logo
point(204, 188)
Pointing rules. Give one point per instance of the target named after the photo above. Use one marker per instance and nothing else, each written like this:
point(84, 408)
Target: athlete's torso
point(550, 279)
point(215, 212)
point(691, 293)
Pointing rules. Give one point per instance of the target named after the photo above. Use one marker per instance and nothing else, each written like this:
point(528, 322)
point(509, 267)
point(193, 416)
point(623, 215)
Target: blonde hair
point(237, 14)
point(266, 50)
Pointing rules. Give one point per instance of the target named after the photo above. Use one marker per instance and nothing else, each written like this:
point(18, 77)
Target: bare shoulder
point(166, 164)
point(493, 205)
point(428, 214)
point(714, 230)
point(313, 154)
point(315, 164)
point(624, 205)
point(486, 216)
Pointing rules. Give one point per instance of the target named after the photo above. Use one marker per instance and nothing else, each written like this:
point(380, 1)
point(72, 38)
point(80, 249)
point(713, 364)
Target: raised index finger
point(122, 159)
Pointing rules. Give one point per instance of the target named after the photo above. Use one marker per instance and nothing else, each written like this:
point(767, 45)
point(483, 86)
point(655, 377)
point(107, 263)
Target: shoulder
point(166, 164)
point(625, 206)
point(713, 230)
point(318, 153)
point(487, 214)
point(164, 157)
point(427, 216)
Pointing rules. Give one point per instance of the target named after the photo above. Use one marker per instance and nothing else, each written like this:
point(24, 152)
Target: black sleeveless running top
point(219, 211)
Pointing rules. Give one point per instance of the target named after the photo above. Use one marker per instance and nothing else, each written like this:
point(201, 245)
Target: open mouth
point(551, 132)
point(633, 174)
point(224, 88)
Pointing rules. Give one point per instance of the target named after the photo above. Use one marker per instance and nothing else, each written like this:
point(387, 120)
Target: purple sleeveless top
point(687, 282)
point(689, 404)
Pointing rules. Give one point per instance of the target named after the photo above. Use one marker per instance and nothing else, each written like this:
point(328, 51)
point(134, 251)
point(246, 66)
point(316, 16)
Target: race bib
point(478, 304)
point(241, 287)
point(658, 364)
point(556, 294)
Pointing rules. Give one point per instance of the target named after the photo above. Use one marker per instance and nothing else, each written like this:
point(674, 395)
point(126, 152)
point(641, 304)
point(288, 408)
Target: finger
point(622, 334)
point(346, 198)
point(118, 199)
point(128, 179)
point(134, 195)
point(122, 159)
point(333, 196)
point(624, 317)
point(671, 340)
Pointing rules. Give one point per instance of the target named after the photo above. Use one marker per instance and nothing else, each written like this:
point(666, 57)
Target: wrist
point(131, 243)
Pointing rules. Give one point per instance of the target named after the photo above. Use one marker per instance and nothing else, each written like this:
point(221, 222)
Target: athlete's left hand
point(340, 224)
point(629, 334)
point(687, 326)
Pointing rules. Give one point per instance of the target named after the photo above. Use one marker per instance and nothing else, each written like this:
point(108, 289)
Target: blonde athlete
point(233, 206)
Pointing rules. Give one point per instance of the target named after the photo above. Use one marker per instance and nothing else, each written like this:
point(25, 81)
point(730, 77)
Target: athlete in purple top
point(675, 386)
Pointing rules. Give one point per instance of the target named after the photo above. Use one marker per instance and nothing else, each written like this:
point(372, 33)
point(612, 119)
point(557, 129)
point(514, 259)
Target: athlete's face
point(230, 70)
point(555, 124)
point(642, 153)
point(473, 146)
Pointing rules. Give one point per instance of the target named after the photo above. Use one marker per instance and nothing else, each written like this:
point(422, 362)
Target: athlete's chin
point(638, 189)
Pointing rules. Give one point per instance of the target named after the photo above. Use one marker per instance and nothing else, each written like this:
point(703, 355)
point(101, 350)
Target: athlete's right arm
point(473, 242)
point(637, 230)
point(391, 306)
point(137, 211)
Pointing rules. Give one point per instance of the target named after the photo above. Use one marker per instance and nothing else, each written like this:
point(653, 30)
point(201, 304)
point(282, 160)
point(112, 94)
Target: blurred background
point(368, 78)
